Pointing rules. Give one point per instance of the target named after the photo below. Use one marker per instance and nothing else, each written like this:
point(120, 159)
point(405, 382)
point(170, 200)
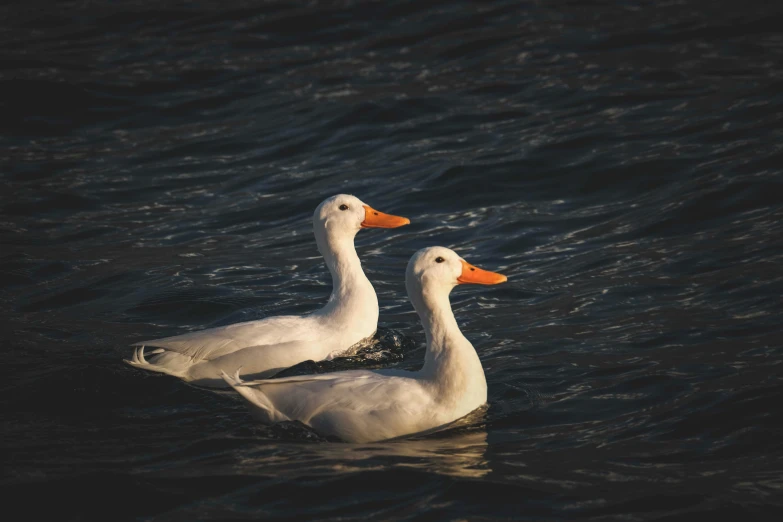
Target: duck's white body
point(262, 348)
point(365, 406)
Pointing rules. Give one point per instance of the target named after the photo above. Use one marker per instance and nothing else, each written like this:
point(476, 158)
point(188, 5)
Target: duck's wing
point(358, 405)
point(332, 376)
point(216, 342)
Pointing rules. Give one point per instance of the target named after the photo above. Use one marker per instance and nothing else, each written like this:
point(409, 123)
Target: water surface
point(620, 162)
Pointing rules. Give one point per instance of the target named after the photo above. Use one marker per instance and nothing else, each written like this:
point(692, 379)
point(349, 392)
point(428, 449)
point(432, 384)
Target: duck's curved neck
point(353, 298)
point(451, 363)
point(437, 318)
point(445, 341)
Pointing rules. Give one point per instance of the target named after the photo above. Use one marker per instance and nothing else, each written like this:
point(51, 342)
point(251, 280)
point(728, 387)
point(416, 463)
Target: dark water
point(621, 162)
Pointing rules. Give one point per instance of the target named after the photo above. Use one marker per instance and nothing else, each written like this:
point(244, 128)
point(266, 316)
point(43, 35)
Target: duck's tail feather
point(174, 366)
point(259, 403)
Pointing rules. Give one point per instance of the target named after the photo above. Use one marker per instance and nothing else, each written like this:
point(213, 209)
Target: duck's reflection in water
point(459, 451)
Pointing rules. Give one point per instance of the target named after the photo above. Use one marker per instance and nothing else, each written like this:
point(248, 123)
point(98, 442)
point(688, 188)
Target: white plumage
point(262, 348)
point(365, 406)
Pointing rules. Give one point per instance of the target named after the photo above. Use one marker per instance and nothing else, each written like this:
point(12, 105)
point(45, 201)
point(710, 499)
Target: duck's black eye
point(439, 259)
point(343, 207)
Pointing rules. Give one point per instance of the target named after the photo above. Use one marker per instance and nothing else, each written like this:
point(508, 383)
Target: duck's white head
point(340, 217)
point(436, 270)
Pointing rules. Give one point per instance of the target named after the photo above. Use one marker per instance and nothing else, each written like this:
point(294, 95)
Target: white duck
point(367, 406)
point(262, 348)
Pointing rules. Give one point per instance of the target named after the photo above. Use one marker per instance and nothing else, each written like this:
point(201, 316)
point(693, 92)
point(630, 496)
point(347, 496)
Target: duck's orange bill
point(376, 219)
point(473, 274)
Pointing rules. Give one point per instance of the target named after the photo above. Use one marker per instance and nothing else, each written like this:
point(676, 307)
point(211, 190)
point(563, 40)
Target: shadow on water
point(385, 348)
